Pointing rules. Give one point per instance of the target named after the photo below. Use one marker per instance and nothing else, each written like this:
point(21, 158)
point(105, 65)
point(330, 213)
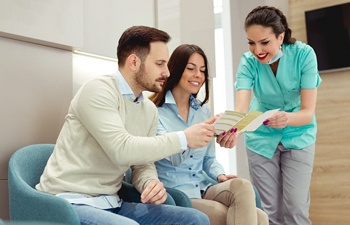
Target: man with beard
point(111, 126)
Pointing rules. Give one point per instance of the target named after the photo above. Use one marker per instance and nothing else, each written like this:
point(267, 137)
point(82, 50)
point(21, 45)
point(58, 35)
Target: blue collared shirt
point(126, 91)
point(184, 171)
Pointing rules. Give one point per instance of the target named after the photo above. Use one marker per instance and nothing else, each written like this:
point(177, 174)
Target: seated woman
point(232, 200)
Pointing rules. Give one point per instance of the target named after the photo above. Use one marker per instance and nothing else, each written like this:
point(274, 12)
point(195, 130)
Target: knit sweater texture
point(102, 136)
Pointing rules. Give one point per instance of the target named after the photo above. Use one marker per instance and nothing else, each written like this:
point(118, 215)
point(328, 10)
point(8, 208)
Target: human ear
point(132, 62)
point(281, 37)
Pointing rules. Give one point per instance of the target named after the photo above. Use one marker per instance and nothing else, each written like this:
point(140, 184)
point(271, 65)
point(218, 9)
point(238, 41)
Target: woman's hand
point(228, 139)
point(223, 177)
point(278, 120)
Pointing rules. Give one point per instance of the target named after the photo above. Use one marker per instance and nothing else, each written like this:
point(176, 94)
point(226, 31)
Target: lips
point(161, 81)
point(195, 83)
point(261, 56)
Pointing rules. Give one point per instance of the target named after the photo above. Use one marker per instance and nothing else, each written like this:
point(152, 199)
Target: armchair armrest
point(179, 197)
point(39, 206)
point(129, 194)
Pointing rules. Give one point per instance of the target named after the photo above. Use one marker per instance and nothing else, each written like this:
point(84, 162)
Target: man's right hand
point(199, 135)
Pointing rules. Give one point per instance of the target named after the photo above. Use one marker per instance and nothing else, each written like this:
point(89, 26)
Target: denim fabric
point(143, 214)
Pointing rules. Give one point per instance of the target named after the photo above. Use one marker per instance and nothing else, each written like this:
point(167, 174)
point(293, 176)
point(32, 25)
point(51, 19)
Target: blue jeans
point(143, 214)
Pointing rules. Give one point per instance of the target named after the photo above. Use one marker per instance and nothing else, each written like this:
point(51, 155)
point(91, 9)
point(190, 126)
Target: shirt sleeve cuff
point(183, 140)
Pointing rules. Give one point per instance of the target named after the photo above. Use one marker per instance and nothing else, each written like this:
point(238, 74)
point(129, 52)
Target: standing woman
point(232, 200)
point(283, 74)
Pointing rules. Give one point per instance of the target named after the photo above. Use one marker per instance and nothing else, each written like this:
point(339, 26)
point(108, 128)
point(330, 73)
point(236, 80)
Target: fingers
point(223, 177)
point(211, 120)
point(159, 198)
point(279, 120)
point(207, 132)
point(228, 139)
point(154, 193)
point(199, 135)
point(231, 176)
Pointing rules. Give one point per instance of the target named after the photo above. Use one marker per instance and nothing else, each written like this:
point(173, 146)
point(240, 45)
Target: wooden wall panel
point(330, 185)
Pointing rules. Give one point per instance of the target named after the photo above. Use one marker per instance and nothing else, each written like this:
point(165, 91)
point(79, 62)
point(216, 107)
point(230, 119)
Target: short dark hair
point(137, 40)
point(177, 64)
point(268, 16)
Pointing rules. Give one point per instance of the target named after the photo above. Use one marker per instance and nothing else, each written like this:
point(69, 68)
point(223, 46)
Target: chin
point(157, 89)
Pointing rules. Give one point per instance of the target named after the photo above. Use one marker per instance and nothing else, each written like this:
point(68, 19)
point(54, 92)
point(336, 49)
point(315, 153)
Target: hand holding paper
point(242, 121)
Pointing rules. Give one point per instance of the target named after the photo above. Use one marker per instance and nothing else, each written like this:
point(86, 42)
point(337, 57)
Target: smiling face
point(263, 42)
point(193, 76)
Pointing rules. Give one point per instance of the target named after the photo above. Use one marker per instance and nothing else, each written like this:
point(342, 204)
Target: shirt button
point(191, 156)
point(190, 168)
point(193, 175)
point(196, 185)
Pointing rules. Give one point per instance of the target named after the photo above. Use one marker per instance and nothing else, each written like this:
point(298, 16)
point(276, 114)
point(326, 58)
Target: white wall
point(54, 23)
point(105, 20)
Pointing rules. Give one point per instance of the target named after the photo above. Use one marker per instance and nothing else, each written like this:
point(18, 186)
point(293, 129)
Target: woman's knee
point(241, 184)
point(198, 217)
point(263, 218)
point(216, 211)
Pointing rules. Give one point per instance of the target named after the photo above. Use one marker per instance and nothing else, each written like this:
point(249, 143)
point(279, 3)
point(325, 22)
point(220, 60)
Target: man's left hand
point(154, 193)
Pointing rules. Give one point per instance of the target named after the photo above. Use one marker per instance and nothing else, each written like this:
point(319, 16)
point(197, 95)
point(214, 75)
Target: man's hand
point(212, 119)
point(199, 135)
point(154, 193)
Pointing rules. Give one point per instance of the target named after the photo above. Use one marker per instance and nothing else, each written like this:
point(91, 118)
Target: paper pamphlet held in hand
point(242, 121)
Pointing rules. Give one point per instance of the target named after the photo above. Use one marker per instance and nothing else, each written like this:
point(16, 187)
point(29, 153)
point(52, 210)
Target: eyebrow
point(196, 65)
point(262, 40)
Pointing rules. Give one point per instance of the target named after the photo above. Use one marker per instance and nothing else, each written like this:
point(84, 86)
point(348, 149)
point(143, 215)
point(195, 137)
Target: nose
point(256, 49)
point(166, 72)
point(197, 73)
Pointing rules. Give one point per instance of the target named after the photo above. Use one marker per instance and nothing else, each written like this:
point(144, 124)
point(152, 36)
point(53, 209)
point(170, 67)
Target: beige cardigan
point(102, 136)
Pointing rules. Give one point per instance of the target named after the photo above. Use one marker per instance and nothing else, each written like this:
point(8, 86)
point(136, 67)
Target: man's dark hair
point(136, 40)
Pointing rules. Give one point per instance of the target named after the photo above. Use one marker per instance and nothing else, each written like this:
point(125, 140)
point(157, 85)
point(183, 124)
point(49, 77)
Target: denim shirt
point(184, 171)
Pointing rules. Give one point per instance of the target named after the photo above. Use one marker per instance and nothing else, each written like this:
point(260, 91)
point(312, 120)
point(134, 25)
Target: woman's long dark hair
point(268, 16)
point(177, 64)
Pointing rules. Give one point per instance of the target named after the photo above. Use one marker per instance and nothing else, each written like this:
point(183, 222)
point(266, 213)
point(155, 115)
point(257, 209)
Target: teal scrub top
point(297, 69)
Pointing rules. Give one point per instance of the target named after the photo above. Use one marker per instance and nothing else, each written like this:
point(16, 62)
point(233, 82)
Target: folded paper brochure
point(242, 121)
